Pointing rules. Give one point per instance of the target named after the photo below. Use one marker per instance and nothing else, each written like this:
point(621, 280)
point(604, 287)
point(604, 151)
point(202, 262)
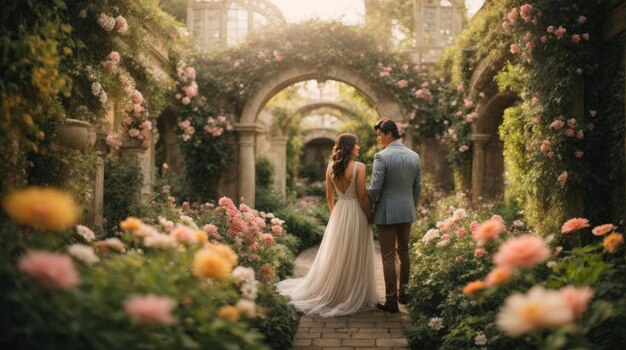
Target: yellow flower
point(131, 224)
point(229, 313)
point(42, 208)
point(612, 241)
point(209, 263)
point(226, 252)
point(201, 237)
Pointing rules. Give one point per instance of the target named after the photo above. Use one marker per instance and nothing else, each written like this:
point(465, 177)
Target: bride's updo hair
point(342, 152)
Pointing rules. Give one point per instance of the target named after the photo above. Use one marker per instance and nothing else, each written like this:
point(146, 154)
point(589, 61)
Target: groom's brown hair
point(386, 126)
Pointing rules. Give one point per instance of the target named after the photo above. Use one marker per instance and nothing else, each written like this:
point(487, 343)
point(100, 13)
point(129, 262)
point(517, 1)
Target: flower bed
point(158, 284)
point(479, 280)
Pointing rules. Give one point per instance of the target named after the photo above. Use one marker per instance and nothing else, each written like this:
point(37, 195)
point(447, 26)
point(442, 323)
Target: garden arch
point(246, 127)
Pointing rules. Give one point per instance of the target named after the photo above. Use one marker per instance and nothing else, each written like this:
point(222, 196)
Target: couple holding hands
point(342, 278)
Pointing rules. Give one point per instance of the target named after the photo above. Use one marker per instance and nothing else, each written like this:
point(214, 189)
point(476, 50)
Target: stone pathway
point(365, 330)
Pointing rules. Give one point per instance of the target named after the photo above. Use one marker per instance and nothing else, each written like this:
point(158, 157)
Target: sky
point(348, 11)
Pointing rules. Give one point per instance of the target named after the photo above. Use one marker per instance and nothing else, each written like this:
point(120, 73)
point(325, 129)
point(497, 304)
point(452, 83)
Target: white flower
point(538, 308)
point(167, 224)
point(249, 290)
point(270, 215)
point(243, 274)
point(551, 263)
point(277, 221)
point(103, 97)
point(107, 23)
point(480, 339)
point(82, 14)
point(187, 220)
point(443, 243)
point(83, 253)
point(160, 241)
point(96, 88)
point(116, 244)
point(549, 239)
point(121, 25)
point(145, 231)
point(518, 223)
point(436, 323)
point(459, 214)
point(430, 235)
point(246, 307)
point(85, 232)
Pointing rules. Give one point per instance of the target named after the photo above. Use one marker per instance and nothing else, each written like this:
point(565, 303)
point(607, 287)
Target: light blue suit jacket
point(396, 184)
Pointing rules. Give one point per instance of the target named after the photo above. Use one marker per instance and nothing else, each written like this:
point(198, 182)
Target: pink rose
point(580, 134)
point(575, 38)
point(544, 39)
point(51, 270)
point(586, 36)
point(514, 48)
point(582, 19)
point(121, 25)
point(550, 29)
point(506, 26)
point(185, 100)
point(569, 132)
point(530, 45)
point(479, 252)
point(150, 309)
point(402, 84)
point(546, 147)
point(578, 154)
point(576, 298)
point(488, 230)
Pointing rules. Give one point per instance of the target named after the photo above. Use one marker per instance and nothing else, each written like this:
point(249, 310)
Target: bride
point(341, 280)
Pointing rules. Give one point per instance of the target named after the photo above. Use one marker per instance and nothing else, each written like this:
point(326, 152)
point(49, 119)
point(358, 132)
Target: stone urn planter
point(77, 134)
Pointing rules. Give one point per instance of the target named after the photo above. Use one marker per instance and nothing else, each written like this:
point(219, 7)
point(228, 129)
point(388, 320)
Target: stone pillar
point(247, 166)
point(279, 148)
point(478, 164)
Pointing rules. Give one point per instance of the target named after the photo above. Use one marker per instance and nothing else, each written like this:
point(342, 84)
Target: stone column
point(478, 164)
point(247, 166)
point(279, 148)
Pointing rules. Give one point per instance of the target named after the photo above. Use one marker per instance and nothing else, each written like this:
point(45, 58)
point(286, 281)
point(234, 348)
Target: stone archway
point(487, 156)
point(246, 128)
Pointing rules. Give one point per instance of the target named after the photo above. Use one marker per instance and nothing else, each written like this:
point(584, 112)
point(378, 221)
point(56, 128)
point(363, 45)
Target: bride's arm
point(362, 192)
point(330, 191)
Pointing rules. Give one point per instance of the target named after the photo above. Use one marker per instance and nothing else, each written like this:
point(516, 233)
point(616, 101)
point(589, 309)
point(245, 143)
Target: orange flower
point(473, 287)
point(229, 313)
point(208, 263)
point(574, 224)
point(498, 275)
point(131, 224)
point(201, 237)
point(603, 229)
point(489, 229)
point(612, 241)
point(42, 208)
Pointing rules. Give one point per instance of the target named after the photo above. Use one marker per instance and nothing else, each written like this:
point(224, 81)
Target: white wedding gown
point(342, 279)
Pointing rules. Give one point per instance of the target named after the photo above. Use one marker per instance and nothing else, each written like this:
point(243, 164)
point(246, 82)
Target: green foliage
point(264, 172)
point(122, 191)
point(308, 230)
point(281, 319)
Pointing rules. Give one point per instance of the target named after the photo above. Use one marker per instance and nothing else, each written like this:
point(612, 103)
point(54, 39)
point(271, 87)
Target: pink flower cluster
point(248, 227)
point(109, 23)
point(216, 126)
point(187, 128)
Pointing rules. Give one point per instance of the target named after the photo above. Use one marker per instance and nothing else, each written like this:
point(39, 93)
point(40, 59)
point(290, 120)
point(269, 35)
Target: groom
point(394, 193)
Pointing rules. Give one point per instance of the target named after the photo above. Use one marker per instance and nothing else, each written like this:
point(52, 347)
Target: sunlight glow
point(347, 11)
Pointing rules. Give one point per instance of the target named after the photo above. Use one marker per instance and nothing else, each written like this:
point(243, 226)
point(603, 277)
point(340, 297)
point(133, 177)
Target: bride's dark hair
point(342, 152)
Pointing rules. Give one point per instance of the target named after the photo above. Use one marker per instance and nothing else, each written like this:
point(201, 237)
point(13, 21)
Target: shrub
point(122, 187)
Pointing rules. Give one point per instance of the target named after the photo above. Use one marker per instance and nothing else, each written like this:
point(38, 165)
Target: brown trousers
point(387, 236)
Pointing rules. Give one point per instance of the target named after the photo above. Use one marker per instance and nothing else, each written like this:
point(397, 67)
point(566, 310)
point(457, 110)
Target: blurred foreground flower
point(215, 261)
point(51, 270)
point(150, 309)
point(612, 241)
point(42, 208)
point(538, 308)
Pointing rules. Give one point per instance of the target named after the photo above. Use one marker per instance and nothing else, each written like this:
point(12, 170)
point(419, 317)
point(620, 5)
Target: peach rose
point(498, 275)
point(489, 229)
point(574, 224)
point(473, 287)
point(522, 251)
point(150, 309)
point(603, 229)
